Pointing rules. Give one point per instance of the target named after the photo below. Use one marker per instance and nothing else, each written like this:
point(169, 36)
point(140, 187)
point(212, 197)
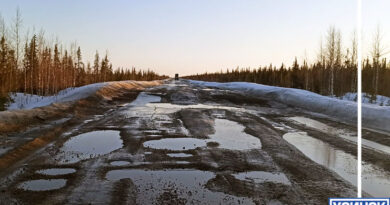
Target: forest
point(334, 72)
point(30, 63)
point(34, 65)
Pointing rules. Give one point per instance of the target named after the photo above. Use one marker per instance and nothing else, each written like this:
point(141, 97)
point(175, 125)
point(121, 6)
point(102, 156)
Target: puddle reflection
point(43, 184)
point(187, 184)
point(375, 181)
point(90, 145)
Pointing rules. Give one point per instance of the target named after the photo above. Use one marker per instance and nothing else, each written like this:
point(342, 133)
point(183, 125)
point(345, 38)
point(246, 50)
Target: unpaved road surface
point(178, 143)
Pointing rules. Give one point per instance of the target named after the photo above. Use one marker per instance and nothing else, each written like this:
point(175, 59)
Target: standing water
point(230, 135)
point(43, 184)
point(314, 124)
point(90, 145)
point(188, 185)
point(375, 181)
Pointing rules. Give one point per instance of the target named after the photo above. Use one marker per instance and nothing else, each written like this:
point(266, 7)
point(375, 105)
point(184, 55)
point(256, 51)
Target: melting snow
point(28, 101)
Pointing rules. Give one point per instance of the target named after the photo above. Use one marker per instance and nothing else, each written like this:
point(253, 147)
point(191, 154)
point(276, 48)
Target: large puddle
point(144, 98)
point(188, 185)
point(175, 143)
point(56, 171)
point(119, 163)
point(90, 145)
point(230, 135)
point(314, 124)
point(43, 184)
point(375, 181)
point(261, 177)
point(148, 105)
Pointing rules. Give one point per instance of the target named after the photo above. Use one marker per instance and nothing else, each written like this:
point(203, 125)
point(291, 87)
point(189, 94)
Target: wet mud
point(177, 143)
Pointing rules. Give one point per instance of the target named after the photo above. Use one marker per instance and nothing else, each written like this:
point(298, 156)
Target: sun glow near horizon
point(189, 37)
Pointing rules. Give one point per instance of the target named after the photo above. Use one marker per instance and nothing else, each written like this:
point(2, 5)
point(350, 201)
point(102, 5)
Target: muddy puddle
point(230, 135)
point(167, 108)
point(4, 150)
point(181, 162)
point(56, 171)
point(119, 163)
point(89, 145)
point(375, 181)
point(175, 143)
point(184, 185)
point(314, 124)
point(261, 177)
point(148, 105)
point(144, 98)
point(42, 184)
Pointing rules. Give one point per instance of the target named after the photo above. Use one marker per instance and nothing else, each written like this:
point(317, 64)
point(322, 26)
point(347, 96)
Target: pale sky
point(374, 13)
point(195, 36)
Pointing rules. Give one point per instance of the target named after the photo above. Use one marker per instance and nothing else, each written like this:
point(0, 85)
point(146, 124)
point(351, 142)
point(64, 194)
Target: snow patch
point(366, 99)
point(374, 116)
point(29, 101)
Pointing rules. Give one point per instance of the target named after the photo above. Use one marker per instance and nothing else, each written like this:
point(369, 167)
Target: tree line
point(333, 73)
point(35, 66)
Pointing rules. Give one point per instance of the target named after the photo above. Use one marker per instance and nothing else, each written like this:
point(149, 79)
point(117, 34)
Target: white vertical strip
point(359, 99)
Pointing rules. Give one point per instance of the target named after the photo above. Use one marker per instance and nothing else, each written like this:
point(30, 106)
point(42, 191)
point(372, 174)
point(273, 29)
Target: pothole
point(182, 162)
point(119, 163)
point(230, 135)
point(314, 124)
point(90, 145)
point(375, 180)
point(43, 184)
point(144, 98)
point(186, 183)
point(56, 171)
point(175, 143)
point(147, 105)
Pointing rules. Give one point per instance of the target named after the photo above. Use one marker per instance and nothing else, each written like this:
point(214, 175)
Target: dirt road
point(179, 143)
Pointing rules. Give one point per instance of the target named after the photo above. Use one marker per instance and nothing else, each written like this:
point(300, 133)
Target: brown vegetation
point(39, 67)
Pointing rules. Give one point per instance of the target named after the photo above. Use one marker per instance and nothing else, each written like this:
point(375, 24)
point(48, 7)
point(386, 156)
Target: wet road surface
point(184, 144)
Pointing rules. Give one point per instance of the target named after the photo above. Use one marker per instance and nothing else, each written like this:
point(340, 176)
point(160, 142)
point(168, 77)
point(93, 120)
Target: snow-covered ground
point(374, 116)
point(366, 99)
point(28, 101)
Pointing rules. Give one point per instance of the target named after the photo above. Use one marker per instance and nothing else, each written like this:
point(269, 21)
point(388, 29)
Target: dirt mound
point(17, 120)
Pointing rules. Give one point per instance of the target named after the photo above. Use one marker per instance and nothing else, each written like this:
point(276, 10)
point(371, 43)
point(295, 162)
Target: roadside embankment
point(374, 116)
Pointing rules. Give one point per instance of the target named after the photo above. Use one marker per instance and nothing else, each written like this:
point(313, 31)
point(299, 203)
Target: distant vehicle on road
point(177, 76)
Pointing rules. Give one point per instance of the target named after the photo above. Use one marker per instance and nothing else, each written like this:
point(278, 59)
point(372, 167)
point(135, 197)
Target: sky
point(195, 36)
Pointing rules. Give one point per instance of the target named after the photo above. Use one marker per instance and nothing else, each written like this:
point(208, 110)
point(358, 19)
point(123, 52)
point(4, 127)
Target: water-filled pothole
point(149, 105)
point(261, 177)
point(230, 135)
point(56, 171)
point(182, 162)
point(375, 180)
point(119, 163)
point(43, 184)
point(186, 183)
point(89, 145)
point(179, 155)
point(175, 143)
point(314, 124)
point(144, 98)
